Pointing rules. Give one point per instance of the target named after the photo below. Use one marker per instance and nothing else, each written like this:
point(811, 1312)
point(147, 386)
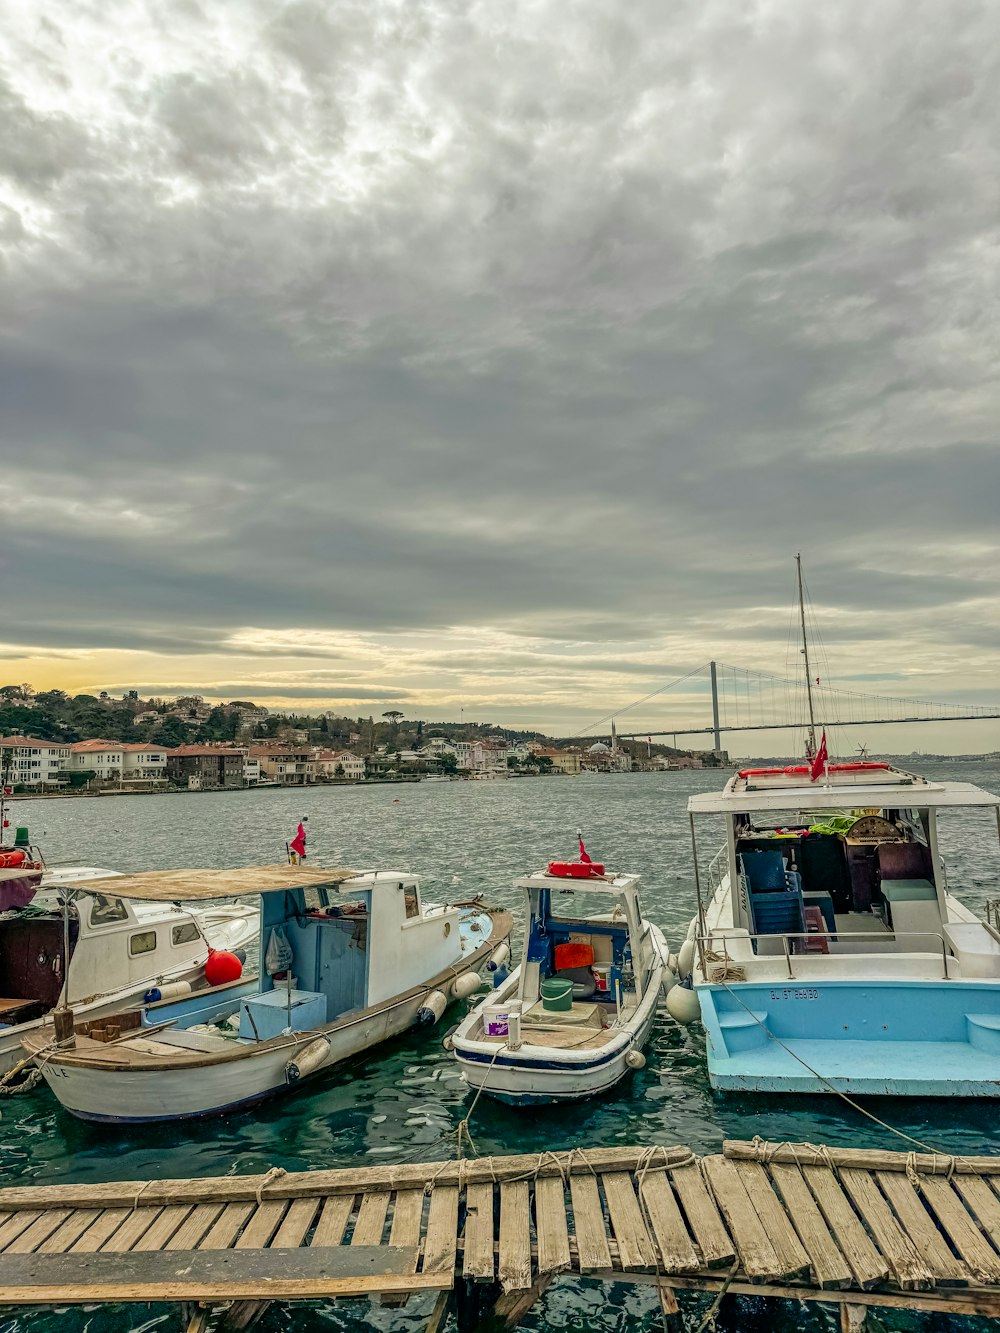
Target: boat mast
point(805, 654)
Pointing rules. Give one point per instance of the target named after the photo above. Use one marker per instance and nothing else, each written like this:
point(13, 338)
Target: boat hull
point(890, 1038)
point(146, 1095)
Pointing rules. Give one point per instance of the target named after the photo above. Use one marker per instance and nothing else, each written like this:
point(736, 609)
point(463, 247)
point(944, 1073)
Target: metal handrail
point(708, 942)
point(717, 868)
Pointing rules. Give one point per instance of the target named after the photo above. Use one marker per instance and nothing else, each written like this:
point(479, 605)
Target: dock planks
point(876, 1228)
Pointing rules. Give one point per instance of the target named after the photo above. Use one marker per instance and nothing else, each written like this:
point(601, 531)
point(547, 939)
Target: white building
point(105, 759)
point(144, 763)
point(329, 761)
point(35, 763)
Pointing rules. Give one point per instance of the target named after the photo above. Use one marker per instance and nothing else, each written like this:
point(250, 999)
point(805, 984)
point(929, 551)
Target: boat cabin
point(848, 864)
point(331, 942)
point(590, 932)
point(114, 945)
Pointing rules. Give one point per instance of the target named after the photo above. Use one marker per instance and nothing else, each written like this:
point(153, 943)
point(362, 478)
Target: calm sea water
point(405, 1099)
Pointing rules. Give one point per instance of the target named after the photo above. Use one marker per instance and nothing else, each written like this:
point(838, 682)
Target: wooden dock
point(857, 1228)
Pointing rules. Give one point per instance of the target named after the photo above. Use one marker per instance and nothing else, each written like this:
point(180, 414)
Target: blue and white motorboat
point(520, 1047)
point(349, 960)
point(830, 952)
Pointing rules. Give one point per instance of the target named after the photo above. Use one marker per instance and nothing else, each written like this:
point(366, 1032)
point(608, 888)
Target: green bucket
point(557, 994)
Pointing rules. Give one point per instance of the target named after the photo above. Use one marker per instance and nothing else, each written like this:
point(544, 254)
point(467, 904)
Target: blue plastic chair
point(765, 871)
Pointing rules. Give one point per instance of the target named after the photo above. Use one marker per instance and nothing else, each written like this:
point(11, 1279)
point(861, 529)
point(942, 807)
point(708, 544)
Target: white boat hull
point(142, 1095)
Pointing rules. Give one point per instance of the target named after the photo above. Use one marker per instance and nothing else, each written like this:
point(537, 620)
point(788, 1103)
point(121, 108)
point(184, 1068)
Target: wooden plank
point(780, 1232)
point(407, 1214)
point(163, 1228)
point(512, 1306)
point(40, 1230)
point(132, 1229)
point(975, 1250)
point(478, 1260)
point(441, 1240)
point(514, 1261)
point(829, 1267)
point(227, 1228)
point(635, 1249)
point(195, 1226)
point(98, 1232)
point(333, 1221)
point(15, 1223)
point(210, 1275)
point(296, 1223)
point(371, 1218)
point(677, 1252)
point(588, 1224)
point(70, 1231)
point(863, 1159)
point(907, 1267)
point(703, 1217)
point(983, 1202)
point(866, 1263)
point(921, 1227)
point(758, 1257)
point(550, 1226)
point(353, 1180)
point(264, 1222)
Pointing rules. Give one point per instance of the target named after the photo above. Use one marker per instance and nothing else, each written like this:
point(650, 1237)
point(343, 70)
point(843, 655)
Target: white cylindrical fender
point(499, 956)
point(434, 1005)
point(692, 930)
point(672, 962)
point(307, 1060)
point(448, 1042)
point(670, 980)
point(683, 1004)
point(465, 985)
point(172, 990)
point(635, 1060)
point(685, 959)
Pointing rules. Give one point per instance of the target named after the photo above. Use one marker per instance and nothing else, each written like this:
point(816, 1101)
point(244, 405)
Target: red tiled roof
point(32, 740)
point(85, 747)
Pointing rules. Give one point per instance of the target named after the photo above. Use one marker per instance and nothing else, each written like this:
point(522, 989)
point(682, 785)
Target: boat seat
point(765, 871)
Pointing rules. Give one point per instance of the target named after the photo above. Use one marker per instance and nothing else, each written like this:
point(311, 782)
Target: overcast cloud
point(499, 355)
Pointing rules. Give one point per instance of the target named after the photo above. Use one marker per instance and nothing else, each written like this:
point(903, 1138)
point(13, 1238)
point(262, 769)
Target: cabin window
point(412, 901)
point(106, 910)
point(185, 934)
point(144, 942)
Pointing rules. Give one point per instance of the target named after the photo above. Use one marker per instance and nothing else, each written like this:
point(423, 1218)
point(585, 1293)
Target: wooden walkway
point(855, 1227)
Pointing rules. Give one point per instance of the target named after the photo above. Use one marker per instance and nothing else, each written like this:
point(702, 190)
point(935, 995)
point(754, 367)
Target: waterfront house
point(339, 764)
point(206, 767)
point(284, 764)
point(561, 761)
point(35, 763)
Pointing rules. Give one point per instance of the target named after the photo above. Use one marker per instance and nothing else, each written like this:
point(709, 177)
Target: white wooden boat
point(119, 950)
point(519, 1051)
point(368, 960)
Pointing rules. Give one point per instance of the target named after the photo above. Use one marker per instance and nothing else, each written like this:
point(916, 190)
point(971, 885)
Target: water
point(405, 1099)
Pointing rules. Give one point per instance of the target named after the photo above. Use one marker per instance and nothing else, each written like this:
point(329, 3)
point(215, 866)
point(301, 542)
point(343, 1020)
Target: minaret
point(614, 738)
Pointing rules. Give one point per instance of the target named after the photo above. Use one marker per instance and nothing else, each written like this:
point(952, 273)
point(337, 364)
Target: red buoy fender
point(221, 967)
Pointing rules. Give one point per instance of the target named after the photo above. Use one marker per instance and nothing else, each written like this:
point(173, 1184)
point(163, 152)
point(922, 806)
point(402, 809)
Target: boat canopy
point(610, 883)
point(174, 886)
point(858, 790)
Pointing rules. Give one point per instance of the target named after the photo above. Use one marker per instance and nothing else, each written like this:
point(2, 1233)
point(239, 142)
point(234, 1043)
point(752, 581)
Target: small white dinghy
point(526, 1044)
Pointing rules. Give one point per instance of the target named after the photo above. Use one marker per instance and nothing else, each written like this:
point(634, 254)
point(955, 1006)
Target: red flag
point(298, 843)
point(818, 766)
point(583, 851)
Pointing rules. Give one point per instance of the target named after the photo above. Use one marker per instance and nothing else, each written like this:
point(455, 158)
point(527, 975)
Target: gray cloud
point(570, 325)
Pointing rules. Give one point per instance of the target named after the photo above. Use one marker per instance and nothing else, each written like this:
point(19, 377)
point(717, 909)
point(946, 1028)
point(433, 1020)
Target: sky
point(445, 356)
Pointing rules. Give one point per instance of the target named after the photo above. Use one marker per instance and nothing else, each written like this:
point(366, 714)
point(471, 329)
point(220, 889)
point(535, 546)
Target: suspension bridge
point(743, 699)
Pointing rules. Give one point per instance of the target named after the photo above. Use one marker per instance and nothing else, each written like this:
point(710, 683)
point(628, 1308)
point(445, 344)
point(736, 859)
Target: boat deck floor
point(558, 1038)
point(917, 1068)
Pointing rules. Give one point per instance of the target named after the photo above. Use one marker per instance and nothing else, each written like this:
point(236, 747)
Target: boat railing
point(731, 967)
point(717, 869)
point(993, 915)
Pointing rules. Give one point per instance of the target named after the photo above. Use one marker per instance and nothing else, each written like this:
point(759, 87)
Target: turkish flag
point(583, 851)
point(298, 843)
point(818, 767)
